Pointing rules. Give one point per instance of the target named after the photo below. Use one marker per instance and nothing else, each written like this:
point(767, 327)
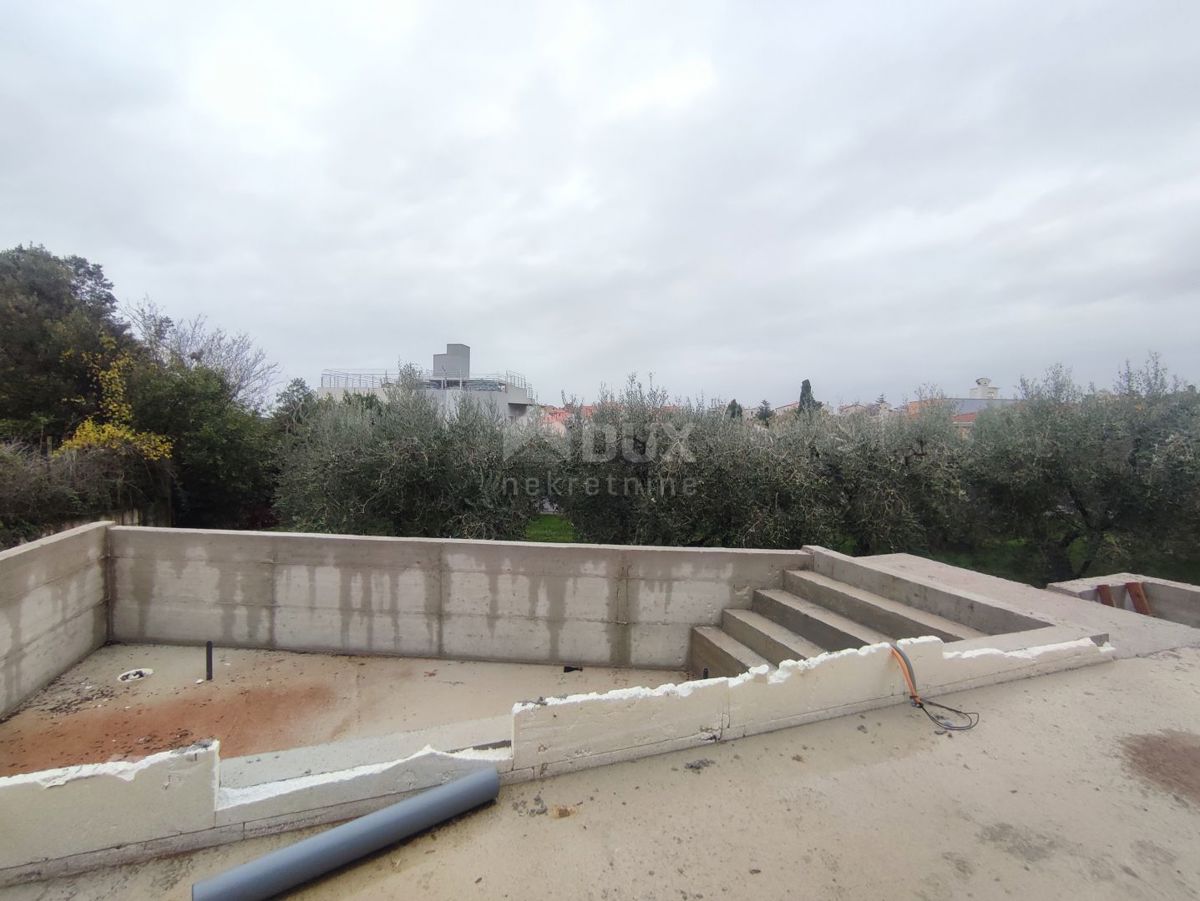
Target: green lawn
point(550, 527)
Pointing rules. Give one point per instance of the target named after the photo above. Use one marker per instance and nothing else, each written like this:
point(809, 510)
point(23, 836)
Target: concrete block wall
point(510, 601)
point(52, 609)
point(1176, 601)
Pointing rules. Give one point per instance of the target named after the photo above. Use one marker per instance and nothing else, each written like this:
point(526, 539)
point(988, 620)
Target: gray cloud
point(732, 196)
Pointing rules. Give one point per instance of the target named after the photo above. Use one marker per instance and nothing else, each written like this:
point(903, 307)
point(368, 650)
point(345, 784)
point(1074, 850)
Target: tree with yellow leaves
point(116, 431)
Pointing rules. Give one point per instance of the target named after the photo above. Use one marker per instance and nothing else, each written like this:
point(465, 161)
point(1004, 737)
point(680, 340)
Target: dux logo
point(600, 444)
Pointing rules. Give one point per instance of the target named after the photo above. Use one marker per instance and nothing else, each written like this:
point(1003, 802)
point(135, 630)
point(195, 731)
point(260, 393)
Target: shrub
point(38, 493)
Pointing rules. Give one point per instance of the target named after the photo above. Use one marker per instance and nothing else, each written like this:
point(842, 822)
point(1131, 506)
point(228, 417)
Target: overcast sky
point(731, 196)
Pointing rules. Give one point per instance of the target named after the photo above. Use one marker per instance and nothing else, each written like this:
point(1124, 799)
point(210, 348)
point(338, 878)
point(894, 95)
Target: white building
point(449, 380)
point(984, 389)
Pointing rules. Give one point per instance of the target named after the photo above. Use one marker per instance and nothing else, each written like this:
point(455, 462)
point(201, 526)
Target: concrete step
point(814, 622)
point(720, 654)
point(892, 617)
point(766, 637)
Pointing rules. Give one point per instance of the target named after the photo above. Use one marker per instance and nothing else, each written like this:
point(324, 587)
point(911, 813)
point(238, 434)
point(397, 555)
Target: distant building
point(555, 418)
point(983, 396)
point(877, 408)
point(449, 380)
point(984, 390)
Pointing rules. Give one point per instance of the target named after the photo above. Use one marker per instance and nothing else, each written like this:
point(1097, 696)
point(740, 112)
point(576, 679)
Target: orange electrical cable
point(906, 671)
point(970, 719)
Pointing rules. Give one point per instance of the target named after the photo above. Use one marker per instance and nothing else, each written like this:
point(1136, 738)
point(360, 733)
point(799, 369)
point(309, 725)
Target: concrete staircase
point(810, 615)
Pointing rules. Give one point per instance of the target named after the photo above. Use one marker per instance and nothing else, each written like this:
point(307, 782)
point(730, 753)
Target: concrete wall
point(120, 517)
point(1176, 601)
point(563, 734)
point(78, 818)
point(52, 609)
point(511, 601)
point(74, 810)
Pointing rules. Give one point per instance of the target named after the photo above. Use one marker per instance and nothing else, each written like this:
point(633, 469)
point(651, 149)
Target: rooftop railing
point(378, 378)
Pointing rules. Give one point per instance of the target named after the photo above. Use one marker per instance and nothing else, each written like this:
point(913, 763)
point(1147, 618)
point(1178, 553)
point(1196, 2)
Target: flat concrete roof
point(1079, 784)
point(1132, 634)
point(263, 701)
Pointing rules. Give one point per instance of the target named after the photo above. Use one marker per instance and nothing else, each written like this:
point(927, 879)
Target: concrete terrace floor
point(1084, 784)
point(263, 701)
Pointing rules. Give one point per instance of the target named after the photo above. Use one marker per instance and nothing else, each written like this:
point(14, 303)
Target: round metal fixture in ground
point(134, 674)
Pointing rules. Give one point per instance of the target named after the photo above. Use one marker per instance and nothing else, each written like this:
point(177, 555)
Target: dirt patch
point(261, 701)
point(246, 720)
point(1169, 760)
point(71, 695)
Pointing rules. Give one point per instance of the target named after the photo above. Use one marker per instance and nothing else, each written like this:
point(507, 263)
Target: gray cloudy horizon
point(734, 197)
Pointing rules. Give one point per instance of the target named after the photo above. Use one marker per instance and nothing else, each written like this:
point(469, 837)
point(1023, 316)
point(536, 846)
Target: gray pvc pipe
point(288, 867)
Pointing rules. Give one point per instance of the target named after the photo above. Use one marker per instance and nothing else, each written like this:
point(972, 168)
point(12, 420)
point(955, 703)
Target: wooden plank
point(1140, 602)
point(1105, 594)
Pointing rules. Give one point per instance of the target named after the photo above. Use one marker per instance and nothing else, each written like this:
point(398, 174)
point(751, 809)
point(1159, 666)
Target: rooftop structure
point(984, 389)
point(476, 649)
point(448, 380)
point(965, 410)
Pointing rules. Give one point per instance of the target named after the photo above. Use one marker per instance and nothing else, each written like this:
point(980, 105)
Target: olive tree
point(894, 481)
point(1080, 472)
point(645, 470)
point(402, 466)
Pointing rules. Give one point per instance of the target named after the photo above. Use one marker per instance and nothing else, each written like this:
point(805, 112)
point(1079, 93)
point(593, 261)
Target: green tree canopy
point(55, 314)
point(293, 405)
point(222, 451)
point(808, 403)
point(1079, 472)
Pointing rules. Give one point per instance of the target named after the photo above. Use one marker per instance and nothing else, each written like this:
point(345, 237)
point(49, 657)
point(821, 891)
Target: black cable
point(971, 718)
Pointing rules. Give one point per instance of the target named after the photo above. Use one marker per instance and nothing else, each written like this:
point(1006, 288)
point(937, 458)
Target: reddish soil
point(261, 701)
point(247, 720)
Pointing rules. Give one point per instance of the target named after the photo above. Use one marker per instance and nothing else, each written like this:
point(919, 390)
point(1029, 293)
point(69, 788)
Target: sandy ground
point(1074, 785)
point(266, 701)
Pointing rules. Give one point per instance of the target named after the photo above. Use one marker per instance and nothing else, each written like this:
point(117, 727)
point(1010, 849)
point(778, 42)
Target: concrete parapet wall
point(563, 734)
point(510, 601)
point(73, 810)
point(303, 800)
point(73, 819)
point(1176, 601)
point(77, 818)
point(52, 609)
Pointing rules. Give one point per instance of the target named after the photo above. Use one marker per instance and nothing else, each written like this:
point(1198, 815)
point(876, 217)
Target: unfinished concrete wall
point(52, 609)
point(563, 734)
point(73, 810)
point(511, 601)
point(78, 818)
point(81, 817)
point(1176, 601)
